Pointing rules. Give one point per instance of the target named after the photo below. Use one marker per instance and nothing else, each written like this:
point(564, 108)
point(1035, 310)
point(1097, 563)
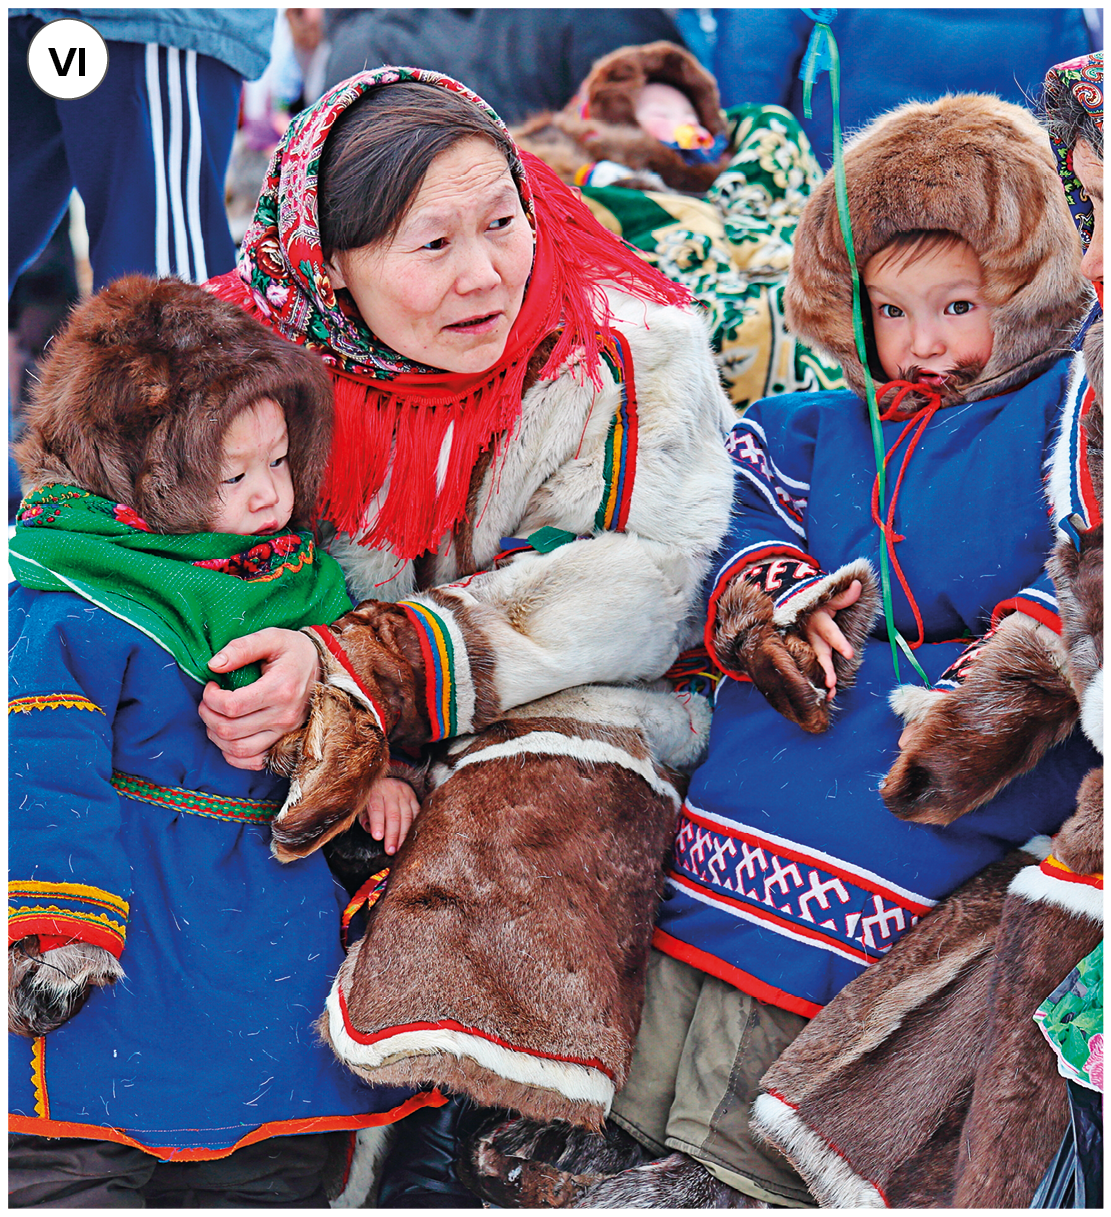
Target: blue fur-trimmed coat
point(789, 874)
point(128, 830)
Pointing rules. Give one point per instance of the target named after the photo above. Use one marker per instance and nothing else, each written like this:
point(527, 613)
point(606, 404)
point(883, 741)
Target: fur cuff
point(793, 610)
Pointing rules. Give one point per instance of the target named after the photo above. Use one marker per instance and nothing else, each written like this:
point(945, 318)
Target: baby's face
point(929, 313)
point(256, 486)
point(661, 108)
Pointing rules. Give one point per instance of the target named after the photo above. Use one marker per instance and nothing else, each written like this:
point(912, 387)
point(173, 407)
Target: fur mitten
point(764, 639)
point(371, 670)
point(966, 744)
point(47, 988)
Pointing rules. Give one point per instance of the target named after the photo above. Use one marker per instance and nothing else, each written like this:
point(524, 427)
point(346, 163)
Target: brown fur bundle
point(567, 140)
point(973, 165)
point(139, 389)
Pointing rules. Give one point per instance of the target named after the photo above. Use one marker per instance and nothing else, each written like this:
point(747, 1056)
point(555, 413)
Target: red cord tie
point(917, 423)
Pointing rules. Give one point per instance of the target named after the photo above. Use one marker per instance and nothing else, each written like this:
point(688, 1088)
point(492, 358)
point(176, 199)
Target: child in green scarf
point(167, 427)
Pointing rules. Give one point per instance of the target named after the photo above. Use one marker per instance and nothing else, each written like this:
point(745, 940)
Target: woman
point(527, 481)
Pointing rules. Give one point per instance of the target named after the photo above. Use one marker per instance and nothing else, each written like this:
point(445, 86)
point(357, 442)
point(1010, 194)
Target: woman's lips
point(483, 324)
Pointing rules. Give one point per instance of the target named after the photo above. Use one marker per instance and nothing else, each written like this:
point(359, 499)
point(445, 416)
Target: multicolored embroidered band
point(440, 662)
point(52, 701)
point(67, 910)
point(1056, 869)
point(196, 802)
point(621, 443)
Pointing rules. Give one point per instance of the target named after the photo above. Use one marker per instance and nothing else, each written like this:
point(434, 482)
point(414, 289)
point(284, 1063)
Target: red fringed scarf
point(407, 437)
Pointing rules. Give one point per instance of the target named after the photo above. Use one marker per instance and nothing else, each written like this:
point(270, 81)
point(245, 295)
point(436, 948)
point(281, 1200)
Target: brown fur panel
point(674, 1182)
point(1079, 843)
point(970, 164)
point(138, 390)
point(782, 666)
point(1019, 1107)
point(884, 1073)
point(1014, 705)
point(521, 905)
point(1077, 576)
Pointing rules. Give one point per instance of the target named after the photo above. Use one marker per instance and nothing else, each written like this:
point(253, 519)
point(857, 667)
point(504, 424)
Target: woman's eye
point(503, 222)
point(233, 481)
point(890, 310)
point(437, 244)
point(959, 307)
point(279, 462)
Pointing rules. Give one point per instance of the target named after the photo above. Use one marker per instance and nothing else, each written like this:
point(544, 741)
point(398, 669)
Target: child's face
point(929, 313)
point(661, 108)
point(256, 486)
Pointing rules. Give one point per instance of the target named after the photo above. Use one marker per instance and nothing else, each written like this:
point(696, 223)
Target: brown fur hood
point(976, 166)
point(599, 123)
point(137, 391)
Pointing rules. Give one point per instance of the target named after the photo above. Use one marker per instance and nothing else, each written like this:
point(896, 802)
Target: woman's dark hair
point(378, 152)
point(1066, 119)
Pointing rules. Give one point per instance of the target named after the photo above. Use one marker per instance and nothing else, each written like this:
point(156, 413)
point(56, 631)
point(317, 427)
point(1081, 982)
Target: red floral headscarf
point(394, 417)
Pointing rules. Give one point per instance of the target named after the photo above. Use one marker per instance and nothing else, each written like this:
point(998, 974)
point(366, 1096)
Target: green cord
point(822, 30)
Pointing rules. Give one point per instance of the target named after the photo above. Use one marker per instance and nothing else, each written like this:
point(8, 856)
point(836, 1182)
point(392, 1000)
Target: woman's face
point(447, 288)
point(1089, 169)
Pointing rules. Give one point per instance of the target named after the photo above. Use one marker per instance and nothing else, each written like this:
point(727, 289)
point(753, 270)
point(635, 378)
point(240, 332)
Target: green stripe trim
point(196, 802)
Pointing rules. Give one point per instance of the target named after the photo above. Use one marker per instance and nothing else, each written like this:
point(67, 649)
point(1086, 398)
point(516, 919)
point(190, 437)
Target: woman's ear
point(331, 269)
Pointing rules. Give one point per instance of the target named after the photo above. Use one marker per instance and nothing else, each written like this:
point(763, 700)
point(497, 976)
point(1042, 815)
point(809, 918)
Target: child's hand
point(824, 635)
point(390, 811)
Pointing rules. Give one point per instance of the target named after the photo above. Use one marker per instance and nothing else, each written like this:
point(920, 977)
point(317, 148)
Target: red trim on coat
point(38, 1127)
point(449, 1024)
point(705, 962)
point(330, 641)
point(1032, 608)
point(63, 930)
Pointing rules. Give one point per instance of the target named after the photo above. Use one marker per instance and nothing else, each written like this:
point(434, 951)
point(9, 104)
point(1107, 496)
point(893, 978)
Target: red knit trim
point(65, 930)
point(747, 983)
point(40, 1127)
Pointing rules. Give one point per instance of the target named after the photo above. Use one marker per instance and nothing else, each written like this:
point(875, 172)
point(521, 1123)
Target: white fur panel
point(1080, 899)
point(1091, 710)
point(817, 593)
point(370, 573)
point(609, 609)
point(371, 1146)
point(590, 751)
point(840, 1186)
point(912, 702)
point(579, 1083)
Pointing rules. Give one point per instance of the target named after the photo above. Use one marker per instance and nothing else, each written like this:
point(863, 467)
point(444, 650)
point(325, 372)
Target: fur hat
point(600, 124)
point(973, 165)
point(138, 390)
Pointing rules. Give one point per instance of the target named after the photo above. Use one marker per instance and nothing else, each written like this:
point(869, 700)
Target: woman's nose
point(477, 270)
point(1091, 265)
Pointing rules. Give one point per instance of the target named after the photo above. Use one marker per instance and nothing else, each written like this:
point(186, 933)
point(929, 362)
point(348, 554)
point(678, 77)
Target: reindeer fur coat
point(506, 958)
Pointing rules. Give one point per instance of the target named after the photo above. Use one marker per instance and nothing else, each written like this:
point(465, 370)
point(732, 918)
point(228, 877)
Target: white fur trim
point(817, 593)
point(827, 1174)
point(1059, 490)
point(341, 680)
point(371, 1147)
point(593, 752)
point(912, 702)
point(579, 1083)
point(1080, 899)
point(1091, 710)
point(1040, 846)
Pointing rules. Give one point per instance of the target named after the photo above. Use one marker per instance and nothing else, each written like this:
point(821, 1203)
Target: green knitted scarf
point(191, 593)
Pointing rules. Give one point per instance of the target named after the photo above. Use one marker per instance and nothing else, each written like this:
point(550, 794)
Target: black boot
point(419, 1170)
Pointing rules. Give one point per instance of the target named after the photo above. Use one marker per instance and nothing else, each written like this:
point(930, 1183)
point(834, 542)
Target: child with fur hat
point(789, 874)
point(164, 970)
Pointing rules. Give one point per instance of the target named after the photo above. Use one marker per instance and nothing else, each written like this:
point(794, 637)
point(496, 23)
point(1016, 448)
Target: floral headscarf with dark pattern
point(387, 483)
point(1083, 77)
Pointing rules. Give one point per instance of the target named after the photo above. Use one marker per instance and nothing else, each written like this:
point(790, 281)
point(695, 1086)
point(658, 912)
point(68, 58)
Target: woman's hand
point(824, 634)
point(390, 810)
point(245, 723)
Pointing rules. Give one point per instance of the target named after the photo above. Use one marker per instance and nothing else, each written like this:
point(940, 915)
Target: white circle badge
point(67, 58)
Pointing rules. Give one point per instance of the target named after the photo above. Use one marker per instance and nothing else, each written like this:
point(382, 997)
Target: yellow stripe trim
point(70, 891)
point(52, 701)
point(1059, 865)
point(38, 1077)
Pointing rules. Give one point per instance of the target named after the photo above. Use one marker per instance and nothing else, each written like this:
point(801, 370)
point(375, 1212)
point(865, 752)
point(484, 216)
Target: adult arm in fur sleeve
point(772, 606)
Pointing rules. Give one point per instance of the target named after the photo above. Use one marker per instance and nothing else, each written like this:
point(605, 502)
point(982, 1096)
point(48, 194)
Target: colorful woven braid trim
point(621, 443)
point(52, 701)
point(196, 802)
point(67, 910)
